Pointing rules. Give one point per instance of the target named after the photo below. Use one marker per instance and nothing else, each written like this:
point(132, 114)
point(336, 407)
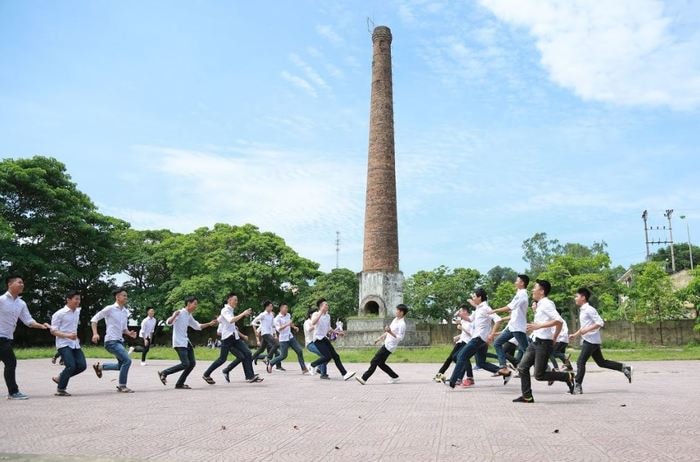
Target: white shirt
point(266, 320)
point(180, 325)
point(12, 309)
point(322, 326)
point(482, 321)
point(286, 333)
point(226, 323)
point(587, 317)
point(518, 312)
point(546, 311)
point(398, 327)
point(148, 326)
point(308, 332)
point(66, 320)
point(563, 333)
point(466, 334)
point(116, 319)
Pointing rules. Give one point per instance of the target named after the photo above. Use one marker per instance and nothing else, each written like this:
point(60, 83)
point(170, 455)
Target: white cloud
point(622, 52)
point(309, 71)
point(329, 33)
point(300, 82)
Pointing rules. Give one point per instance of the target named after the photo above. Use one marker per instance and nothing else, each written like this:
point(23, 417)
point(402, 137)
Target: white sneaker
point(359, 379)
point(349, 375)
point(396, 380)
point(143, 363)
point(314, 370)
point(131, 350)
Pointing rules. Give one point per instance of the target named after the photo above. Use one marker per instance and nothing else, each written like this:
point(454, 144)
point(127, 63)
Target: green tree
point(502, 295)
point(497, 276)
point(340, 287)
point(681, 255)
point(436, 294)
point(651, 296)
point(53, 235)
point(209, 263)
point(538, 252)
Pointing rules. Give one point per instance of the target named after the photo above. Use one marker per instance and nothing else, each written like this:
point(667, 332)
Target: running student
point(116, 318)
point(309, 341)
point(322, 324)
point(181, 320)
point(516, 325)
point(64, 326)
point(148, 327)
point(266, 321)
point(591, 322)
point(284, 325)
point(465, 327)
point(392, 336)
point(12, 308)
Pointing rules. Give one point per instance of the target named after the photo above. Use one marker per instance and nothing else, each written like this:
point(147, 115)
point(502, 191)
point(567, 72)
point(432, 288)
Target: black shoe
point(325, 377)
point(627, 370)
point(280, 368)
point(522, 399)
point(577, 389)
point(162, 377)
point(452, 384)
point(226, 377)
point(570, 382)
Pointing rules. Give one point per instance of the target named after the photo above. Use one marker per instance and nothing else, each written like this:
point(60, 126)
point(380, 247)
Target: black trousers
point(187, 363)
point(593, 349)
point(327, 353)
point(269, 342)
point(143, 349)
point(558, 351)
point(537, 353)
point(7, 356)
point(451, 357)
point(379, 361)
point(509, 349)
point(240, 350)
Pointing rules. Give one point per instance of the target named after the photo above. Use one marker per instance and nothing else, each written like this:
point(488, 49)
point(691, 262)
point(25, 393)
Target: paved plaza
point(290, 417)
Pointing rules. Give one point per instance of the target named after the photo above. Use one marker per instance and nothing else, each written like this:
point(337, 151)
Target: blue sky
point(511, 118)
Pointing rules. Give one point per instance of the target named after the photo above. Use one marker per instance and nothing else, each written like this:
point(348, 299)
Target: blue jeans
point(74, 360)
point(475, 347)
point(503, 338)
point(314, 349)
point(116, 347)
point(284, 349)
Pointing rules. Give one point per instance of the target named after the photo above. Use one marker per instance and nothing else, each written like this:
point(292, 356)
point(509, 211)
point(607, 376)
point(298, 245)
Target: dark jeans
point(314, 349)
point(327, 353)
point(509, 349)
point(227, 346)
point(558, 351)
point(284, 350)
point(7, 356)
point(538, 353)
point(452, 357)
point(593, 349)
point(187, 363)
point(475, 347)
point(143, 349)
point(269, 342)
point(74, 360)
point(379, 360)
point(240, 350)
point(503, 338)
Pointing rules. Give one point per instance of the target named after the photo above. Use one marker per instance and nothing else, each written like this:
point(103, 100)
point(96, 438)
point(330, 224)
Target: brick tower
point(381, 282)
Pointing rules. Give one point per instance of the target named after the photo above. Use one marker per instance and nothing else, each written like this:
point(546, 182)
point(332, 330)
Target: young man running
point(231, 343)
point(591, 322)
point(284, 325)
point(12, 308)
point(181, 320)
point(266, 321)
point(546, 327)
point(392, 336)
point(116, 318)
point(516, 325)
point(465, 326)
point(322, 324)
point(148, 327)
point(64, 326)
point(309, 341)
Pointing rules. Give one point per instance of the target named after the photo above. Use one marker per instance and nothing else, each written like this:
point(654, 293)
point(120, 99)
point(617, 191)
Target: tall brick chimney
point(381, 282)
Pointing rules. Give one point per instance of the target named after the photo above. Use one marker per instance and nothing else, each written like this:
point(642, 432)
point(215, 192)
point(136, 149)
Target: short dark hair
point(310, 312)
point(545, 285)
point(481, 293)
point(319, 301)
point(190, 299)
point(403, 308)
point(266, 302)
point(118, 290)
point(283, 304)
point(229, 295)
point(585, 293)
point(71, 293)
point(11, 278)
point(525, 278)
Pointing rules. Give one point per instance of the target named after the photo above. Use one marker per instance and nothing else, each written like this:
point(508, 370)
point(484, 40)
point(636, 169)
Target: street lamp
point(690, 248)
point(668, 214)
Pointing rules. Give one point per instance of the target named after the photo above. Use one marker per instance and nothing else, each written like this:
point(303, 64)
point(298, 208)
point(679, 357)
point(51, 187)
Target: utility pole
point(670, 231)
point(337, 249)
point(690, 248)
point(646, 231)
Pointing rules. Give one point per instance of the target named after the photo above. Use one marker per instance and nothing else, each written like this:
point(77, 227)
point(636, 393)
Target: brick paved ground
point(292, 417)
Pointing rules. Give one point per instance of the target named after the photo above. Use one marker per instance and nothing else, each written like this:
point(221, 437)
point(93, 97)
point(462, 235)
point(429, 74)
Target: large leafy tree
point(681, 254)
point(53, 235)
point(539, 250)
point(340, 287)
point(651, 295)
point(436, 294)
point(497, 276)
point(210, 262)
